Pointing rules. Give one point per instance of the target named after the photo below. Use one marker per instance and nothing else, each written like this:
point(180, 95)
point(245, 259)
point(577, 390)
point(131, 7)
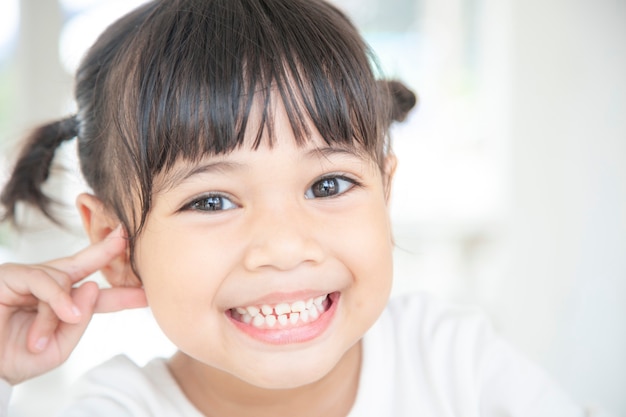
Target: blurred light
point(73, 6)
point(82, 30)
point(9, 21)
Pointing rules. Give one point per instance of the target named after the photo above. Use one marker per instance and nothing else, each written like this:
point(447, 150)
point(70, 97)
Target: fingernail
point(76, 311)
point(41, 344)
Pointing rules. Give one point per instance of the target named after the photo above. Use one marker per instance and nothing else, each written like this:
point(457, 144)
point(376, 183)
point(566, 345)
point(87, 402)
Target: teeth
point(282, 308)
point(282, 314)
point(319, 300)
point(258, 320)
point(298, 307)
point(253, 311)
point(294, 317)
point(270, 320)
point(304, 316)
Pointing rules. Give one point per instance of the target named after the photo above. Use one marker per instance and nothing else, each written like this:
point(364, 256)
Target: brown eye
point(212, 203)
point(329, 187)
point(325, 188)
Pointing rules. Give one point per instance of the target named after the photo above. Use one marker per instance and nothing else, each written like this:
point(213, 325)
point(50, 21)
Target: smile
point(282, 315)
point(286, 323)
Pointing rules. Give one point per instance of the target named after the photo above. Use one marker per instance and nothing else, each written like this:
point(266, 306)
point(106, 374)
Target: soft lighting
point(80, 32)
point(9, 18)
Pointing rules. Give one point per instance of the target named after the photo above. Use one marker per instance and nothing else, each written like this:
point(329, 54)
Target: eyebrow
point(327, 151)
point(177, 176)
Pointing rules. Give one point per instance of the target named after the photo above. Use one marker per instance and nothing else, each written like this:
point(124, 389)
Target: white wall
point(549, 260)
point(567, 285)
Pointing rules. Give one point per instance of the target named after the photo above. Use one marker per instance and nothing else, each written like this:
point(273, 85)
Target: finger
point(120, 298)
point(43, 327)
point(49, 286)
point(92, 258)
point(68, 335)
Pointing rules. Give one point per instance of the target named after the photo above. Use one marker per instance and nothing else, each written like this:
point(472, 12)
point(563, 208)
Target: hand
point(44, 312)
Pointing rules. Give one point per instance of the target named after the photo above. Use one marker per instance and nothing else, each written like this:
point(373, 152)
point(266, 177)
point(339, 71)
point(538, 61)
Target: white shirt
point(424, 358)
point(421, 358)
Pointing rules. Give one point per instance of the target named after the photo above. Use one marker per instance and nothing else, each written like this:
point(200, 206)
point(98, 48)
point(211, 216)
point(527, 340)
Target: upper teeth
point(283, 313)
point(282, 308)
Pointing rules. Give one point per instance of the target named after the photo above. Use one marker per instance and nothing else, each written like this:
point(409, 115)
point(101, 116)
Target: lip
point(293, 335)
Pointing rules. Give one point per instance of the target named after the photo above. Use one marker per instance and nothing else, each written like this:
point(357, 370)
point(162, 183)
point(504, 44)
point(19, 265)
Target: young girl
point(238, 155)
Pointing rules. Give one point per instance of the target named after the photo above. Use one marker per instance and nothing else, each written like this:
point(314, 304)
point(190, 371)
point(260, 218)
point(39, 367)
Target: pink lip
point(299, 334)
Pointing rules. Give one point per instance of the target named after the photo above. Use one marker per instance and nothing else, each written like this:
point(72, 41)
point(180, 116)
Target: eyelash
point(351, 183)
point(215, 197)
point(343, 185)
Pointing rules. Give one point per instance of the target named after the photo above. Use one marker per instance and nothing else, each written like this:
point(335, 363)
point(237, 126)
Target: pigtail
point(402, 99)
point(33, 168)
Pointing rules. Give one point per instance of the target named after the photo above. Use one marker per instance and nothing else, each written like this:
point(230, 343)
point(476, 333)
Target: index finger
point(92, 258)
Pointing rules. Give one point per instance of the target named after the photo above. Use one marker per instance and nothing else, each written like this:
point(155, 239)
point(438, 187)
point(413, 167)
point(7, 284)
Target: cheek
point(365, 249)
point(182, 274)
point(369, 248)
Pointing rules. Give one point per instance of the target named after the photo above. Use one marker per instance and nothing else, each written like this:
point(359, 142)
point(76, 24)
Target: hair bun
point(402, 100)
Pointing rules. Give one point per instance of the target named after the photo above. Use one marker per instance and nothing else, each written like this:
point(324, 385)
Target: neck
point(217, 394)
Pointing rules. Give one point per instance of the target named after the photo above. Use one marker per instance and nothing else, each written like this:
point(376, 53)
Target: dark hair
point(176, 79)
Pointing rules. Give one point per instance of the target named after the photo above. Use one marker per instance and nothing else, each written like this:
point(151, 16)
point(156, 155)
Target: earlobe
point(98, 222)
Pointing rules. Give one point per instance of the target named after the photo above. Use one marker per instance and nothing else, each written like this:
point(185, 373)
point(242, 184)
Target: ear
point(98, 222)
point(389, 170)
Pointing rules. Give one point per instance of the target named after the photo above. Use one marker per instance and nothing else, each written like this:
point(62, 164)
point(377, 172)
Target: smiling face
point(269, 264)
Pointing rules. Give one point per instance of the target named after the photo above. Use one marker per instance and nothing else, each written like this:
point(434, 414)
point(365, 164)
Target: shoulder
point(427, 323)
point(5, 394)
point(121, 369)
point(431, 311)
point(452, 353)
point(122, 388)
point(422, 357)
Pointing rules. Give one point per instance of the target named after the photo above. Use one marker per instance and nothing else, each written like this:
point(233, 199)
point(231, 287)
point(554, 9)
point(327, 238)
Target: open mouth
point(284, 315)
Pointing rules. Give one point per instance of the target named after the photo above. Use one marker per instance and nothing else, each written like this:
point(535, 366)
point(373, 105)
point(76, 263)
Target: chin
point(289, 377)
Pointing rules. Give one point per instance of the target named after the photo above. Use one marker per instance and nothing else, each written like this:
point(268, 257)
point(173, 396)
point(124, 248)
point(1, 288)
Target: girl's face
point(269, 264)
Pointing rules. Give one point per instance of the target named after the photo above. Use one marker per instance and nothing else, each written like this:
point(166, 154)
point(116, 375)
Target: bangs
point(195, 72)
point(182, 79)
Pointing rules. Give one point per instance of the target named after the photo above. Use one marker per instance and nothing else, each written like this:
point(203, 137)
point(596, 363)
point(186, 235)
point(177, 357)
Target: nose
point(283, 240)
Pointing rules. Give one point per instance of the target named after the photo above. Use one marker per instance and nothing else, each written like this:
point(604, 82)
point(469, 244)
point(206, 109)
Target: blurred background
point(511, 188)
